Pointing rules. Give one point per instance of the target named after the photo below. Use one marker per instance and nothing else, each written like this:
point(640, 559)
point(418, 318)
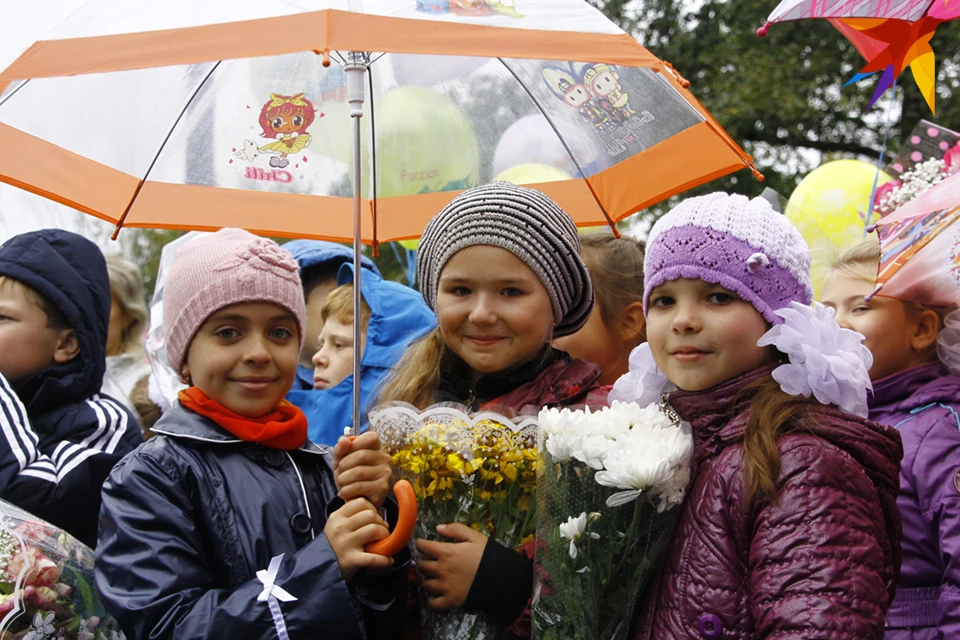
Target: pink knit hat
point(231, 266)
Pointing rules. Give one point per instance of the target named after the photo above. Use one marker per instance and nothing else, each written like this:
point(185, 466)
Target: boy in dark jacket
point(60, 437)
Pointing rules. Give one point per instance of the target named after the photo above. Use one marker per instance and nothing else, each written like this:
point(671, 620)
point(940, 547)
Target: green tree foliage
point(782, 97)
point(145, 250)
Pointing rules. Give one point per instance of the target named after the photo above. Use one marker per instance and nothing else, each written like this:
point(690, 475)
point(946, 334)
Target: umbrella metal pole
point(355, 70)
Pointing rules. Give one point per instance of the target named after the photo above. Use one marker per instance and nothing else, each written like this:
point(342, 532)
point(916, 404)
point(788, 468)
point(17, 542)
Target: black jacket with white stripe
point(55, 467)
point(59, 437)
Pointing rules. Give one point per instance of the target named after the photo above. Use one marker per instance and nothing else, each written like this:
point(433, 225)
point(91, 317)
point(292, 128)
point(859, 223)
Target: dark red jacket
point(822, 563)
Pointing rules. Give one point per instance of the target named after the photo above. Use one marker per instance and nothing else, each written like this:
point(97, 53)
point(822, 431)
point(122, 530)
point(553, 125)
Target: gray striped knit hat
point(526, 223)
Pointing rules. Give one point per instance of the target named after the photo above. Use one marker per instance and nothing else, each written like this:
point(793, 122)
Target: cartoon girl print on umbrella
point(285, 118)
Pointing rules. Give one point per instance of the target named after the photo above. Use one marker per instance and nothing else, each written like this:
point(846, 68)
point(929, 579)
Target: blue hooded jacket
point(313, 253)
point(398, 316)
point(60, 436)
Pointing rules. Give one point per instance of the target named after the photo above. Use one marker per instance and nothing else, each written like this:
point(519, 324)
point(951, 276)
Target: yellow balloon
point(425, 144)
point(412, 245)
point(532, 173)
point(830, 208)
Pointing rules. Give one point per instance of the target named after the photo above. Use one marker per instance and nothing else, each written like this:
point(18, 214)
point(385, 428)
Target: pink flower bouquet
point(47, 590)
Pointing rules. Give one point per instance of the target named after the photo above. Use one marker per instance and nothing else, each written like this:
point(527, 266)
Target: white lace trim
point(394, 421)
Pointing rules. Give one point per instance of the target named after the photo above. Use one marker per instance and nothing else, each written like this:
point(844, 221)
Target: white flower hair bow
point(644, 383)
point(826, 360)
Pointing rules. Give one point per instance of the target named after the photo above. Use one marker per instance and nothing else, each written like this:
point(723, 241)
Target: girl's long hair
point(773, 413)
point(417, 375)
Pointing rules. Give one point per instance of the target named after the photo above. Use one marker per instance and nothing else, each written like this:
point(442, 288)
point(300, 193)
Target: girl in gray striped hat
point(500, 265)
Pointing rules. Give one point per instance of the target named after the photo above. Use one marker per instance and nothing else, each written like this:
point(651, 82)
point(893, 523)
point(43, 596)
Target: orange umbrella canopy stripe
point(168, 122)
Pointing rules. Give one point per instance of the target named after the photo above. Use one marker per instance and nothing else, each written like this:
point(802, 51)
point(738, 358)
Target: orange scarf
point(283, 428)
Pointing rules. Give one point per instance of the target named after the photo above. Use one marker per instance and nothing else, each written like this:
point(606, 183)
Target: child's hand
point(449, 570)
point(349, 528)
point(361, 469)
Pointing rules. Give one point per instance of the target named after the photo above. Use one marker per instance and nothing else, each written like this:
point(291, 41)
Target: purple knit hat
point(231, 266)
point(741, 244)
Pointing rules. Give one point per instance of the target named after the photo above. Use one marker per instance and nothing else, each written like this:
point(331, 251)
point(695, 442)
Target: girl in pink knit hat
point(229, 523)
point(790, 528)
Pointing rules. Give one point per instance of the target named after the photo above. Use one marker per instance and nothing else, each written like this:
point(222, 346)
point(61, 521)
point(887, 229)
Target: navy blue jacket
point(60, 437)
point(191, 517)
point(313, 253)
point(398, 316)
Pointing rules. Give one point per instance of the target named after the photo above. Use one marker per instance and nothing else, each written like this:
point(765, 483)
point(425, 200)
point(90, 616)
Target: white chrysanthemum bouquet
point(608, 491)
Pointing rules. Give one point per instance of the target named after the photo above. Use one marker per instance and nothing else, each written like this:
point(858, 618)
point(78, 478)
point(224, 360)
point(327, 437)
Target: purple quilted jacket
point(923, 404)
point(820, 564)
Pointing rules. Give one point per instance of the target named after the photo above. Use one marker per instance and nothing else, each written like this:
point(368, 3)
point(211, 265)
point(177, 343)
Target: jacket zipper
point(471, 399)
point(303, 489)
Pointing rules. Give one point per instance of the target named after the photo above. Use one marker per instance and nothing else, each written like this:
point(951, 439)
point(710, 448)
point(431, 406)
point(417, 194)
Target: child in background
point(227, 523)
point(395, 316)
point(615, 326)
point(500, 265)
point(914, 392)
point(319, 265)
point(333, 360)
point(60, 435)
point(790, 528)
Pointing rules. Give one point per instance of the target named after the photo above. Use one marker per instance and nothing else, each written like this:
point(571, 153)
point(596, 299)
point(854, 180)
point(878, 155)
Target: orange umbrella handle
point(406, 520)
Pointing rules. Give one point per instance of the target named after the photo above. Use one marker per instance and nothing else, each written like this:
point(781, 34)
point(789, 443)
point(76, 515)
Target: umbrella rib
point(603, 210)
point(373, 159)
point(156, 156)
point(14, 91)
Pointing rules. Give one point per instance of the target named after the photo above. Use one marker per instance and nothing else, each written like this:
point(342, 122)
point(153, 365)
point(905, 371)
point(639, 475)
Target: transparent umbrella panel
point(431, 124)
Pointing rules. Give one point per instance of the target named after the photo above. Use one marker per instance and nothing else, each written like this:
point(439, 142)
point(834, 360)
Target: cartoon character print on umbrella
point(286, 120)
point(577, 95)
point(595, 92)
point(470, 8)
point(603, 83)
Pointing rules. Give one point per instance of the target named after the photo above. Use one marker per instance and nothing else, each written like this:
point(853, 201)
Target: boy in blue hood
point(397, 316)
point(319, 264)
point(59, 437)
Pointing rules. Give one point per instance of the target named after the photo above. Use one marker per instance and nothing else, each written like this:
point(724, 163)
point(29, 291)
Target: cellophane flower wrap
point(608, 494)
point(476, 469)
point(47, 588)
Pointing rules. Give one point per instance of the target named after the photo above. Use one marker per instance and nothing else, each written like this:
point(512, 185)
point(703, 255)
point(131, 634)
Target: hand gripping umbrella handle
point(406, 520)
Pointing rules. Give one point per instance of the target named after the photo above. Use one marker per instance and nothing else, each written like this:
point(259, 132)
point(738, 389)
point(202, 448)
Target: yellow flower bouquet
point(477, 469)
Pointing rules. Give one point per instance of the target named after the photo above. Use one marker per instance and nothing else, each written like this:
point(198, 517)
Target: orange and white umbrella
point(201, 115)
point(233, 112)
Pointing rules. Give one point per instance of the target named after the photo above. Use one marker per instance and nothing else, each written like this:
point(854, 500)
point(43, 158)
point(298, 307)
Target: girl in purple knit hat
point(918, 393)
point(790, 528)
